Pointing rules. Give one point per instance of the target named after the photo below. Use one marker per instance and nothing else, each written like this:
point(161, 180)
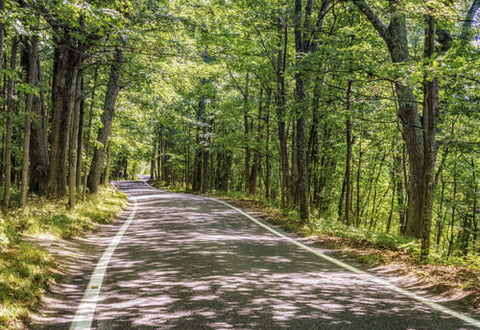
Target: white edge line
point(86, 311)
point(355, 270)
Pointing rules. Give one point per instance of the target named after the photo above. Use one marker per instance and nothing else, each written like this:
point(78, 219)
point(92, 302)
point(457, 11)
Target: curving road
point(189, 262)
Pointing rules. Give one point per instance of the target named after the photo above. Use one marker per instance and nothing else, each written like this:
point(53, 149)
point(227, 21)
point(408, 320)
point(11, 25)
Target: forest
point(362, 113)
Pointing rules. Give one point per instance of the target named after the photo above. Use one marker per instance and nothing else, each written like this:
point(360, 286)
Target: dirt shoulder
point(453, 286)
point(76, 258)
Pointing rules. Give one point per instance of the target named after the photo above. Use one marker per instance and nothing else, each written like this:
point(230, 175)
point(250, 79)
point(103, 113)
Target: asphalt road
point(189, 262)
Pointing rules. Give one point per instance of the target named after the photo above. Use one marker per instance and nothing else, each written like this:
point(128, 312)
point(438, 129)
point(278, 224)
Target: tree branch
point(469, 19)
point(377, 23)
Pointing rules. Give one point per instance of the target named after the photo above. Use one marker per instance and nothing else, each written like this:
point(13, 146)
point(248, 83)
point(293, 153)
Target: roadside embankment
point(27, 267)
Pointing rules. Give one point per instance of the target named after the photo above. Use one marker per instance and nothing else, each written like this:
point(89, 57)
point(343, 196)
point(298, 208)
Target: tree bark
point(474, 206)
point(430, 118)
point(107, 119)
point(246, 134)
point(205, 163)
point(107, 165)
point(67, 61)
point(81, 128)
point(8, 134)
point(152, 161)
point(280, 98)
point(87, 139)
point(348, 173)
point(399, 185)
point(256, 156)
point(301, 145)
point(199, 145)
point(38, 140)
point(2, 33)
point(267, 145)
point(72, 171)
point(31, 70)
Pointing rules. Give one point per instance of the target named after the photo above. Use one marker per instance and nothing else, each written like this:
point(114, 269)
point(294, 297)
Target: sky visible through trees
point(352, 113)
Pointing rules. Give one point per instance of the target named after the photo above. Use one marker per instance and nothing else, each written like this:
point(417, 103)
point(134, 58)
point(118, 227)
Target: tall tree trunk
point(159, 152)
point(199, 145)
point(358, 200)
point(347, 181)
point(87, 139)
point(107, 165)
point(348, 173)
point(162, 155)
point(256, 155)
point(81, 128)
point(187, 160)
point(301, 144)
point(2, 39)
point(325, 169)
point(197, 167)
point(152, 161)
point(267, 145)
point(419, 135)
point(430, 117)
point(72, 161)
point(67, 61)
point(2, 33)
point(453, 211)
point(38, 140)
point(8, 134)
point(205, 163)
point(107, 119)
point(246, 132)
point(475, 205)
point(399, 184)
point(315, 164)
point(31, 70)
point(392, 203)
point(280, 97)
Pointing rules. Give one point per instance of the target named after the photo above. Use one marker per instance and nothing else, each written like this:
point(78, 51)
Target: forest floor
point(457, 287)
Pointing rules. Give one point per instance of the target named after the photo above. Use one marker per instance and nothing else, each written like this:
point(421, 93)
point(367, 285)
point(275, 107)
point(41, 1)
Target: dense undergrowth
point(26, 270)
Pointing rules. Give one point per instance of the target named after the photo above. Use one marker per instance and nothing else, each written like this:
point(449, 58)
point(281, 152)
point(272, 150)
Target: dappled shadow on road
point(76, 259)
point(187, 262)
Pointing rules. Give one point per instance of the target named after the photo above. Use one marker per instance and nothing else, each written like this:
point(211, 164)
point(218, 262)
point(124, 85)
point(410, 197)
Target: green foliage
point(25, 269)
point(53, 217)
point(381, 240)
point(24, 275)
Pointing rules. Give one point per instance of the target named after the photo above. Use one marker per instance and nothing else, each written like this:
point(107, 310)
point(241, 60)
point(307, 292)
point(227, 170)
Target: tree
point(67, 62)
point(301, 152)
point(9, 124)
point(107, 118)
point(73, 141)
point(31, 69)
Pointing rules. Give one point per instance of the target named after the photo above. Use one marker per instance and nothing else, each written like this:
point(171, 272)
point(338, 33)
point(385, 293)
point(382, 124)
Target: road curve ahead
point(189, 262)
